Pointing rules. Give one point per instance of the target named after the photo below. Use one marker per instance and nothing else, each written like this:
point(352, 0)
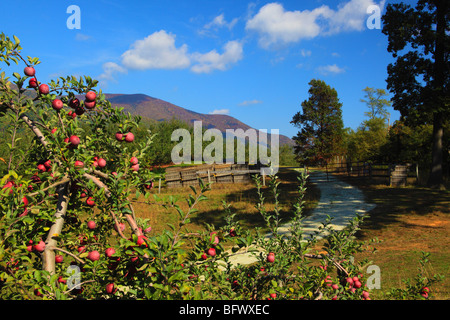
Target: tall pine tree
point(321, 126)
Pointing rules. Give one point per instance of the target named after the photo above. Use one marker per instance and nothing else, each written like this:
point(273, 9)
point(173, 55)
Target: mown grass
point(242, 199)
point(407, 221)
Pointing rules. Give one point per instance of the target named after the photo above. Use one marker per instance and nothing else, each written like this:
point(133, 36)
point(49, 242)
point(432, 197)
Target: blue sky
point(252, 60)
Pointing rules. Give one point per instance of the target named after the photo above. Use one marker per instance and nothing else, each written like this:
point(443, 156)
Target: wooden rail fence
point(391, 174)
point(216, 173)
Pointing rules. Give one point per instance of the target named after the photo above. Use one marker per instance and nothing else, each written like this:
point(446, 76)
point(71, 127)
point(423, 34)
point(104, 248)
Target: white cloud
point(82, 37)
point(305, 53)
point(351, 16)
point(109, 70)
point(333, 69)
point(210, 61)
point(250, 102)
point(277, 26)
point(156, 51)
point(220, 22)
point(220, 111)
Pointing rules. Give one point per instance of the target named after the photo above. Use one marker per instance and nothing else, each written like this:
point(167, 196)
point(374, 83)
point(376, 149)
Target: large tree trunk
point(436, 178)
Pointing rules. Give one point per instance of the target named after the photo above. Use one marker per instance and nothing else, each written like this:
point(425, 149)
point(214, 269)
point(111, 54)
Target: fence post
point(417, 173)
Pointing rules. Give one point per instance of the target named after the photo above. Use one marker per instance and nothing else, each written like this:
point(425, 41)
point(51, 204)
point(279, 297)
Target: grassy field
point(241, 197)
point(406, 220)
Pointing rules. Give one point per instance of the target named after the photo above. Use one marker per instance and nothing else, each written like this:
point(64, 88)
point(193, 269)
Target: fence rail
point(391, 174)
point(222, 173)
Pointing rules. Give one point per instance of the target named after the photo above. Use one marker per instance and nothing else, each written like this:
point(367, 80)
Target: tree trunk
point(48, 256)
point(436, 178)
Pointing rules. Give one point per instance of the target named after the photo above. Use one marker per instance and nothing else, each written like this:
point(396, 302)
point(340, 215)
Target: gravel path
point(337, 199)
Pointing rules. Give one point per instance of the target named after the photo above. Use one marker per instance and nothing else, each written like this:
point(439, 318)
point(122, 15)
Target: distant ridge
point(160, 110)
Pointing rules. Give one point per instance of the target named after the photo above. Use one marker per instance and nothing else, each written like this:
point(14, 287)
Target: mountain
point(160, 110)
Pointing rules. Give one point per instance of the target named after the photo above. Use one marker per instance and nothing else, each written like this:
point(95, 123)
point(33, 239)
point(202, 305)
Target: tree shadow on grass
point(392, 203)
point(243, 202)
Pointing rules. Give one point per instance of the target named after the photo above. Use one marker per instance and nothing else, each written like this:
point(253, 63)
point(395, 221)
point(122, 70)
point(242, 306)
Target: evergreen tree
point(321, 126)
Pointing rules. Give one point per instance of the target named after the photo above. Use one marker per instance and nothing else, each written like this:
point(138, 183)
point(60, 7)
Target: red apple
point(129, 137)
point(89, 104)
point(41, 167)
point(271, 257)
point(335, 286)
point(109, 252)
point(212, 252)
point(91, 224)
point(93, 255)
point(54, 130)
point(81, 249)
point(30, 246)
point(357, 284)
point(135, 167)
point(57, 104)
point(59, 258)
point(79, 111)
point(134, 160)
point(148, 185)
point(44, 89)
point(48, 164)
point(141, 240)
point(79, 164)
point(119, 136)
point(90, 96)
point(204, 256)
point(365, 294)
point(121, 226)
point(74, 103)
point(25, 201)
point(29, 71)
point(40, 246)
point(110, 288)
point(74, 140)
point(32, 83)
point(349, 281)
point(214, 239)
point(101, 162)
point(90, 202)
